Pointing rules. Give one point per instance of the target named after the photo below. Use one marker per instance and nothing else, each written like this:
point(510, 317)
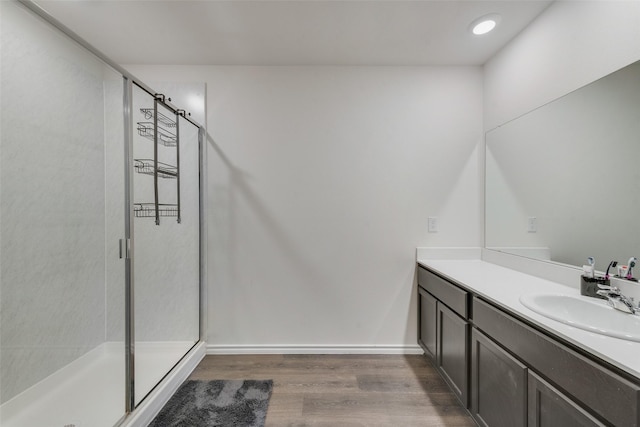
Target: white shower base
point(90, 392)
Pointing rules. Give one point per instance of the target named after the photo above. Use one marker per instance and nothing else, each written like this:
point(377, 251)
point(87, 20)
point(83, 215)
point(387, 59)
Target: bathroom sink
point(590, 314)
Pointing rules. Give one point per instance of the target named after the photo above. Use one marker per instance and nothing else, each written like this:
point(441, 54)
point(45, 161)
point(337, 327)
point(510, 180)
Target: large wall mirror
point(563, 181)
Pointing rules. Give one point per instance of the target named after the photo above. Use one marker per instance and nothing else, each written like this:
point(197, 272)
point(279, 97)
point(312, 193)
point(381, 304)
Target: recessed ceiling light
point(485, 24)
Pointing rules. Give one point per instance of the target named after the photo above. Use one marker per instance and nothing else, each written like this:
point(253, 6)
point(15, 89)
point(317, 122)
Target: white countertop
point(504, 287)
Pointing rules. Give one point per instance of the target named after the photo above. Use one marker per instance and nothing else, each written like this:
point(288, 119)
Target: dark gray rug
point(217, 403)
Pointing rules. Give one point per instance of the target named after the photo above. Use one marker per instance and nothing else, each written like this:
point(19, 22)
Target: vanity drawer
point(611, 396)
point(451, 295)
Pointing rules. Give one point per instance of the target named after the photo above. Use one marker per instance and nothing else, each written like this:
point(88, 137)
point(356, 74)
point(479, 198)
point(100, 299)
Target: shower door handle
point(125, 248)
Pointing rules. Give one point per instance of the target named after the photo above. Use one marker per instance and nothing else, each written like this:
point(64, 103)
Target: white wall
point(570, 44)
point(321, 180)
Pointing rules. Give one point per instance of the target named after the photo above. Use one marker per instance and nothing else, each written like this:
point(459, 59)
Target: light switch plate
point(432, 224)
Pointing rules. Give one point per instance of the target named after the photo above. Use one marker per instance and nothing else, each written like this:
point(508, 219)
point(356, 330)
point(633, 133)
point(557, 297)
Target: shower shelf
point(145, 166)
point(148, 114)
point(148, 210)
point(162, 130)
point(165, 137)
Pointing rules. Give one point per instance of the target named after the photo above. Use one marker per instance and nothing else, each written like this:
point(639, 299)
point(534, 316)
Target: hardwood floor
point(345, 390)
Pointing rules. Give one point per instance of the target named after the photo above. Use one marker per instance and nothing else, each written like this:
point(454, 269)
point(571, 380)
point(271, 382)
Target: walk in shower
point(100, 225)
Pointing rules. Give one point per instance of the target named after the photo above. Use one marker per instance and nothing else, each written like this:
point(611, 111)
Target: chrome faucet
point(617, 300)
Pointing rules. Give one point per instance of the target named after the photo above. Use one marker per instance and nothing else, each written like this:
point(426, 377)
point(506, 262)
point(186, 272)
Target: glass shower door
point(165, 239)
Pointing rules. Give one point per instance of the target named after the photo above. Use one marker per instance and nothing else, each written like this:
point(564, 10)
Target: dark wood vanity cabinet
point(452, 354)
point(505, 392)
point(498, 385)
point(427, 315)
point(587, 385)
point(548, 407)
point(444, 330)
point(510, 373)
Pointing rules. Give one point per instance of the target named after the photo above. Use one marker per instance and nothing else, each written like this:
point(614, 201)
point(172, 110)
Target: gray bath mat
point(217, 403)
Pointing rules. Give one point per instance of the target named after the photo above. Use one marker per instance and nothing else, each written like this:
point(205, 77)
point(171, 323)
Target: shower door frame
point(127, 244)
point(129, 81)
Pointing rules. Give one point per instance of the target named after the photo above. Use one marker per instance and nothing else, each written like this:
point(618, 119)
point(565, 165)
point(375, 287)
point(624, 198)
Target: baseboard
point(152, 405)
point(214, 349)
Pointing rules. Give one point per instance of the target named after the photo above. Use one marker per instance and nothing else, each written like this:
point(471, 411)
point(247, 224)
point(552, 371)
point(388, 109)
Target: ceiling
point(302, 32)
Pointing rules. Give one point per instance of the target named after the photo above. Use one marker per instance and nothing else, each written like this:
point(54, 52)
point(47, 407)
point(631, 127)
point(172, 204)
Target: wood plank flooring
point(345, 390)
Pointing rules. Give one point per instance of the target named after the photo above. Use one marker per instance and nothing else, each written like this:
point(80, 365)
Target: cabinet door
point(498, 385)
point(550, 408)
point(427, 321)
point(453, 351)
